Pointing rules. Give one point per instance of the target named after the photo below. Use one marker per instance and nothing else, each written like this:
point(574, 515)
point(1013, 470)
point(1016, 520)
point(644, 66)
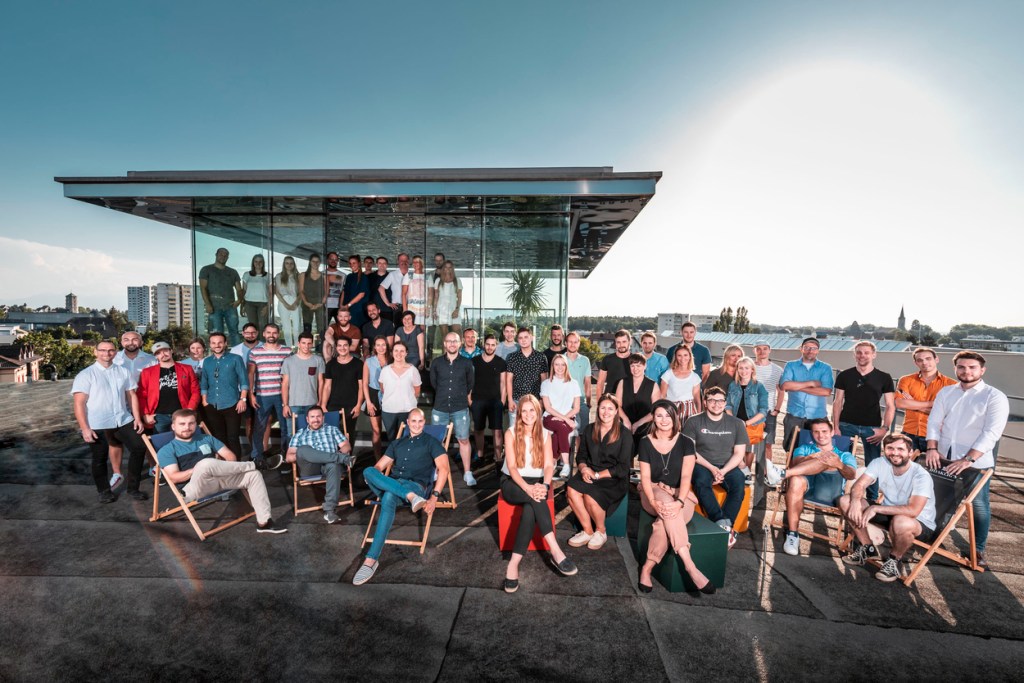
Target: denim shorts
point(460, 418)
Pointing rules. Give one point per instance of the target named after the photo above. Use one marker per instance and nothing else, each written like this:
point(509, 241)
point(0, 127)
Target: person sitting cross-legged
point(322, 449)
point(907, 508)
point(191, 459)
point(411, 483)
point(802, 480)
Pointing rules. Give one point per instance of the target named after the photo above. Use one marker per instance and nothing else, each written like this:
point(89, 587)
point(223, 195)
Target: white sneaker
point(469, 479)
point(773, 474)
point(599, 539)
point(116, 480)
point(579, 540)
point(565, 471)
point(792, 544)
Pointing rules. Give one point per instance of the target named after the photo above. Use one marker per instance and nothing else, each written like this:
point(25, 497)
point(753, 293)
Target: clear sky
point(823, 161)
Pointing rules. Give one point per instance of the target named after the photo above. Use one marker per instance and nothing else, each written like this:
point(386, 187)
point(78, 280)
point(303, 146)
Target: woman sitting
point(526, 481)
point(666, 465)
point(561, 396)
point(747, 399)
point(635, 395)
point(602, 473)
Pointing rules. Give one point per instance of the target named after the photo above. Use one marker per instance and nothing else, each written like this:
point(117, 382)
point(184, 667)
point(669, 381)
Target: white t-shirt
point(289, 292)
point(334, 288)
point(897, 490)
point(560, 394)
point(680, 389)
point(255, 288)
point(528, 470)
point(392, 284)
point(398, 395)
point(769, 375)
point(106, 407)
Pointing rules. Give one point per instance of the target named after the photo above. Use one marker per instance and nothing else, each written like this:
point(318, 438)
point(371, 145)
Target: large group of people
point(684, 426)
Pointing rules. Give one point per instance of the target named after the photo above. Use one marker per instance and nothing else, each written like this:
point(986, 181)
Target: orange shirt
point(914, 421)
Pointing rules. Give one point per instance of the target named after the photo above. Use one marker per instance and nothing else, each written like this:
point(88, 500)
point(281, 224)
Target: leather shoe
point(644, 589)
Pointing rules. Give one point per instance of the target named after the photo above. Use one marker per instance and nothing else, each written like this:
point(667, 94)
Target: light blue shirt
point(801, 404)
point(222, 380)
point(657, 365)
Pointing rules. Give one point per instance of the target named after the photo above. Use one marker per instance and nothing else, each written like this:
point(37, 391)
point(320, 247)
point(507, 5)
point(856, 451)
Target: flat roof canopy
point(600, 203)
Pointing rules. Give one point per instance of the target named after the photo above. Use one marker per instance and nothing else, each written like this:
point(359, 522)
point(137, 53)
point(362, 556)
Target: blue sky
point(843, 152)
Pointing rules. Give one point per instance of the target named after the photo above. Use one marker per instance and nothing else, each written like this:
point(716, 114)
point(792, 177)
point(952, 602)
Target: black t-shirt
point(487, 378)
point(617, 369)
point(345, 378)
point(386, 329)
point(667, 469)
point(550, 354)
point(375, 279)
point(717, 378)
point(169, 401)
point(862, 396)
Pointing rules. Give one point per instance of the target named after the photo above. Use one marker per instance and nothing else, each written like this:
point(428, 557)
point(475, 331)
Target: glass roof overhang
point(601, 203)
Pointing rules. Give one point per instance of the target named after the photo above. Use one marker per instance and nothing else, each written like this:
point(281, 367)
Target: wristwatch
point(435, 494)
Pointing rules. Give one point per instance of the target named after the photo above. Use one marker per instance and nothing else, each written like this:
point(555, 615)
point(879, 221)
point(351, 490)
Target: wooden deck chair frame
point(448, 505)
point(300, 482)
point(779, 512)
point(182, 507)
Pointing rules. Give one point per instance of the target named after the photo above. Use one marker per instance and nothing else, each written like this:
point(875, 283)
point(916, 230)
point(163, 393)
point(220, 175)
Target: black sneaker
point(862, 555)
point(270, 462)
point(138, 495)
point(270, 528)
point(892, 570)
point(108, 496)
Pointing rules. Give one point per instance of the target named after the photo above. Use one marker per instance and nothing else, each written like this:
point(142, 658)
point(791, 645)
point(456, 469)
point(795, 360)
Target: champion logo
point(705, 430)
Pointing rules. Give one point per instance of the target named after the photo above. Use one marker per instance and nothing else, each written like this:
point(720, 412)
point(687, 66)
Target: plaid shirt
point(326, 439)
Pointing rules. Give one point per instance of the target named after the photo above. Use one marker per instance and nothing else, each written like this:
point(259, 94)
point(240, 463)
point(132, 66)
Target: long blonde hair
point(536, 438)
point(676, 365)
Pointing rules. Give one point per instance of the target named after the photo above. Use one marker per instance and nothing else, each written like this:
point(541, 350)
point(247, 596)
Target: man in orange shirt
point(915, 394)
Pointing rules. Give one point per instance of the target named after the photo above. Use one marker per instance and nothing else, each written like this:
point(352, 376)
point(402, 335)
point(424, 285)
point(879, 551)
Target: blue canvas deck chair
point(315, 478)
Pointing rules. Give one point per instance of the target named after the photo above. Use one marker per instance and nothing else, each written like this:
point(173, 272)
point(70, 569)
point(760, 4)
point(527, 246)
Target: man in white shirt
point(132, 358)
point(965, 425)
point(390, 289)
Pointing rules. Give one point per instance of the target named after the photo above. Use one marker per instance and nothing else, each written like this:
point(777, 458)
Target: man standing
point(700, 353)
point(301, 378)
point(656, 364)
point(488, 397)
point(724, 374)
point(375, 327)
point(916, 393)
point(335, 282)
point(375, 278)
point(808, 383)
point(579, 368)
point(557, 345)
point(769, 375)
point(855, 408)
point(250, 340)
point(225, 388)
point(907, 508)
point(321, 450)
point(265, 379)
point(132, 358)
point(469, 349)
point(107, 409)
point(721, 441)
point(221, 289)
point(191, 459)
point(527, 368)
point(342, 389)
point(165, 388)
point(508, 343)
point(965, 426)
point(451, 375)
point(614, 366)
point(809, 461)
point(390, 289)
point(343, 327)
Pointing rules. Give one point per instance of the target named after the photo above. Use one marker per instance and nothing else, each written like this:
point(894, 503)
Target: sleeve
point(803, 450)
point(690, 431)
point(886, 383)
point(165, 456)
point(470, 375)
point(436, 449)
point(392, 451)
point(841, 380)
point(339, 437)
point(742, 438)
point(937, 414)
point(545, 388)
point(848, 459)
point(215, 443)
point(874, 468)
point(574, 389)
point(923, 484)
point(433, 370)
point(827, 382)
point(320, 366)
point(243, 376)
point(140, 389)
point(787, 374)
point(762, 398)
point(666, 376)
point(417, 379)
point(82, 383)
point(997, 412)
point(689, 446)
point(583, 455)
point(192, 386)
point(644, 451)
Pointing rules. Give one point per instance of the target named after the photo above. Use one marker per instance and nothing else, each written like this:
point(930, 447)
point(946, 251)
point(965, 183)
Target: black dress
point(614, 456)
point(637, 406)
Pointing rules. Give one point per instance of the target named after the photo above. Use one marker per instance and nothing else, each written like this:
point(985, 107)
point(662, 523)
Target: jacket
point(757, 400)
point(149, 388)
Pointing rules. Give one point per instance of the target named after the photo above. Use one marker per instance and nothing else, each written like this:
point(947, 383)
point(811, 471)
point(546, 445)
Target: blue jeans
point(982, 516)
point(871, 450)
point(459, 417)
point(162, 423)
point(226, 321)
point(392, 493)
point(734, 483)
point(920, 442)
point(582, 417)
point(265, 405)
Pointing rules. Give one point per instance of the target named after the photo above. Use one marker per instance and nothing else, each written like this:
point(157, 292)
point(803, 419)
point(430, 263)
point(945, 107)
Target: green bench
point(709, 546)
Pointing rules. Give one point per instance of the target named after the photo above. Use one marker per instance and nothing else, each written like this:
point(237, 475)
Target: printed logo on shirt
point(705, 430)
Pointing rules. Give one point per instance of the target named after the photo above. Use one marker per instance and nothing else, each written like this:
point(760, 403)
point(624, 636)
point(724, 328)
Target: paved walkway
point(97, 592)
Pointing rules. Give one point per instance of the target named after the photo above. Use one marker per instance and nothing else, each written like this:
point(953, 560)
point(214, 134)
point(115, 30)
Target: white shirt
point(769, 375)
point(399, 395)
point(681, 389)
point(964, 420)
point(560, 394)
point(134, 366)
point(527, 470)
point(392, 284)
point(106, 407)
point(244, 351)
point(897, 490)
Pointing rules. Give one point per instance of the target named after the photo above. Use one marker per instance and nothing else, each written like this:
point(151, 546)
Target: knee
point(389, 500)
point(903, 526)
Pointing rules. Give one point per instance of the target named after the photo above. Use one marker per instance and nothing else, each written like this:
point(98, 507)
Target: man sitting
point(191, 458)
point(907, 509)
point(322, 449)
point(808, 462)
point(416, 456)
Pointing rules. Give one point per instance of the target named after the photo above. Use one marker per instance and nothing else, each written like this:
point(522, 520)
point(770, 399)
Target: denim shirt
point(756, 400)
point(222, 380)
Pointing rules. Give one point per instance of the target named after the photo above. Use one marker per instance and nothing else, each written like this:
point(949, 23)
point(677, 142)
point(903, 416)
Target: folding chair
point(442, 433)
point(299, 422)
point(154, 444)
point(843, 443)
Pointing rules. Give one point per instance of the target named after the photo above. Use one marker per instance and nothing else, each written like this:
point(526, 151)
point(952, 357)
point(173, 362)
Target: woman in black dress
point(636, 394)
point(667, 458)
point(602, 474)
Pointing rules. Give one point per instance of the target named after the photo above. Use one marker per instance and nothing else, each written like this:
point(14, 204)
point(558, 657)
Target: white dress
point(290, 321)
point(445, 301)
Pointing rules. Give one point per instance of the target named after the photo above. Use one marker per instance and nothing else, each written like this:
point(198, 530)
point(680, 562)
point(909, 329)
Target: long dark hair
point(309, 265)
point(670, 408)
point(614, 432)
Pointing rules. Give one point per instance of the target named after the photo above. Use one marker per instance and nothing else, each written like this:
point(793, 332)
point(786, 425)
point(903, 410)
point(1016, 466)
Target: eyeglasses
point(715, 400)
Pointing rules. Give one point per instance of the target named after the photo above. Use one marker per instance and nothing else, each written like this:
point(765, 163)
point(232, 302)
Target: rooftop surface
point(99, 592)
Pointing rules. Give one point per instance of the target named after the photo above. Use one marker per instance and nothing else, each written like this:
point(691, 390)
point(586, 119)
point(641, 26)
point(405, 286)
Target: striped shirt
point(326, 439)
point(769, 375)
point(268, 368)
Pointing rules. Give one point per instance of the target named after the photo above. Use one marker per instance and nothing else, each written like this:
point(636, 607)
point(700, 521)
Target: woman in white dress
point(286, 289)
point(414, 294)
point(446, 301)
point(681, 385)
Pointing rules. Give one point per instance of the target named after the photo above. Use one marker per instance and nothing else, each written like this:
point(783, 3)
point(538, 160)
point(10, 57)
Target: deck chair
point(298, 481)
point(843, 443)
point(155, 443)
point(442, 433)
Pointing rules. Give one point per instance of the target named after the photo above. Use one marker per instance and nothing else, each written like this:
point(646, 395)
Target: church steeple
point(902, 324)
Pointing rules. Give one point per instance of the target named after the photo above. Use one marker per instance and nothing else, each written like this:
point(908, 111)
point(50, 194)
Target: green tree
point(178, 336)
point(120, 320)
point(742, 323)
point(590, 350)
point(724, 322)
point(66, 358)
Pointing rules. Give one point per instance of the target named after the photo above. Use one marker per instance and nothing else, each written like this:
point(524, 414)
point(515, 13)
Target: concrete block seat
point(709, 547)
point(615, 521)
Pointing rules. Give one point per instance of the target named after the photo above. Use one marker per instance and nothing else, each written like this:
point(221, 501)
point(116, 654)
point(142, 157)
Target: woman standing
point(399, 385)
point(602, 473)
point(256, 293)
point(411, 335)
point(196, 355)
point(380, 358)
point(635, 396)
point(286, 289)
point(446, 301)
point(561, 396)
point(666, 465)
point(356, 291)
point(527, 483)
point(313, 292)
point(747, 399)
point(414, 294)
point(681, 385)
